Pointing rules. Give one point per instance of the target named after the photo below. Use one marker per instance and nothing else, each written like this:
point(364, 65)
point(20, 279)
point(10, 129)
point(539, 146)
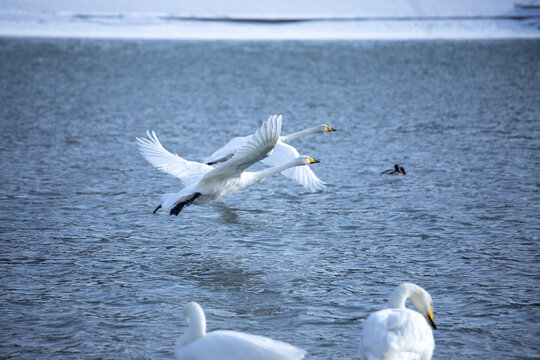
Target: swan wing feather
point(232, 345)
point(257, 148)
point(396, 334)
point(227, 151)
point(303, 175)
point(172, 164)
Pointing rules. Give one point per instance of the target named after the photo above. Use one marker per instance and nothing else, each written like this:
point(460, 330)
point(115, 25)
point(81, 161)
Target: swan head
point(194, 311)
point(194, 317)
point(325, 128)
point(419, 297)
point(422, 301)
point(306, 160)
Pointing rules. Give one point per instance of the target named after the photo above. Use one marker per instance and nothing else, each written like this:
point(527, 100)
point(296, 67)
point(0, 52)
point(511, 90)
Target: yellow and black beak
point(328, 128)
point(429, 318)
point(313, 161)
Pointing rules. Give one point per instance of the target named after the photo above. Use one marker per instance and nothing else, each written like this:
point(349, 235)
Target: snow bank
point(278, 19)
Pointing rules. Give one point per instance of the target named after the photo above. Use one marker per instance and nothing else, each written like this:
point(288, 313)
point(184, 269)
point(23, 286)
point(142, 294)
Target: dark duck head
point(395, 171)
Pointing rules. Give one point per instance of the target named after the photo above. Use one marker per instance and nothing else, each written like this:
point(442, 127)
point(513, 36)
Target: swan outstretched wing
point(172, 164)
point(303, 175)
point(227, 151)
point(258, 147)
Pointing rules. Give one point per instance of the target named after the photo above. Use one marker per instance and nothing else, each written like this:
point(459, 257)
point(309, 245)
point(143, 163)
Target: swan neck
point(299, 134)
point(399, 297)
point(263, 174)
point(197, 323)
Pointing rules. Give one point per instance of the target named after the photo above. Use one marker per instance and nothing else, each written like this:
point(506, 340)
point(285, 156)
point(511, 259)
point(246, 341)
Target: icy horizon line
point(268, 27)
point(266, 18)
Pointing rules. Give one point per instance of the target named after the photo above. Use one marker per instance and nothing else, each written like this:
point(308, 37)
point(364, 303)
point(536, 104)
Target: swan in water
point(283, 152)
point(397, 170)
point(205, 184)
point(196, 344)
point(399, 333)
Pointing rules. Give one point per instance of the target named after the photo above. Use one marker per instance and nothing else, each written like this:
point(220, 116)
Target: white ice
point(372, 19)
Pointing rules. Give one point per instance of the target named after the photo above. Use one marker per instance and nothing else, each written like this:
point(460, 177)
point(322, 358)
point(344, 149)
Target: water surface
point(87, 271)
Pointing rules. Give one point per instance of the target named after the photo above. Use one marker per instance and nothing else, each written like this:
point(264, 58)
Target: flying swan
point(196, 344)
point(399, 333)
point(204, 183)
point(283, 152)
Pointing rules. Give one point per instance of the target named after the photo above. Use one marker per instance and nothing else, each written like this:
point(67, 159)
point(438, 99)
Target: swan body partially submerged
point(204, 183)
point(196, 344)
point(282, 153)
point(398, 333)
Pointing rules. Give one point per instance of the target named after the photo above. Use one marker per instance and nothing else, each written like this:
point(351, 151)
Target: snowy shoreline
point(163, 27)
point(280, 20)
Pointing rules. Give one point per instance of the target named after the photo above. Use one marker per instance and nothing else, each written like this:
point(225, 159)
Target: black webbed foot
point(178, 207)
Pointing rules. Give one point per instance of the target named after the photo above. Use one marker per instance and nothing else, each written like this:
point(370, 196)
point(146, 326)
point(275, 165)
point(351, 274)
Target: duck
point(398, 333)
point(204, 184)
point(197, 344)
point(283, 152)
point(397, 170)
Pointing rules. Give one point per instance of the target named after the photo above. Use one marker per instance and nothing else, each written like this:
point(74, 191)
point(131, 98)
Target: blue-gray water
point(87, 271)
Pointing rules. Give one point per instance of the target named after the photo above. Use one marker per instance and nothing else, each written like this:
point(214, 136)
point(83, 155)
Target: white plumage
point(204, 183)
point(398, 333)
point(196, 344)
point(283, 152)
point(172, 164)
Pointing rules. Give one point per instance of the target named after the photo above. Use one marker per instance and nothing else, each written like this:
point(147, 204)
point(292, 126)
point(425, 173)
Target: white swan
point(283, 152)
point(196, 344)
point(398, 333)
point(205, 184)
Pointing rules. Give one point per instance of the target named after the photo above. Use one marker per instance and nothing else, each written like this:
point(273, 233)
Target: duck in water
point(395, 171)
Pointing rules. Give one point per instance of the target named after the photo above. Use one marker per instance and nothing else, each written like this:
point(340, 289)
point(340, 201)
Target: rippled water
point(87, 271)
